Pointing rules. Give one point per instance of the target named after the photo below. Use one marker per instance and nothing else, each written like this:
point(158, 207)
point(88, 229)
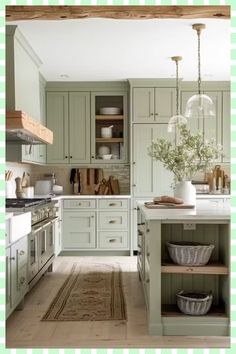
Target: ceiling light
point(199, 105)
point(177, 119)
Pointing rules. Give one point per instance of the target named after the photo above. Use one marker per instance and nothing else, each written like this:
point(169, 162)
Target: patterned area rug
point(92, 292)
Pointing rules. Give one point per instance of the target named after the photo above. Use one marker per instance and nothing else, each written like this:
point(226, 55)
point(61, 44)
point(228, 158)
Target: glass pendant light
point(178, 118)
point(199, 105)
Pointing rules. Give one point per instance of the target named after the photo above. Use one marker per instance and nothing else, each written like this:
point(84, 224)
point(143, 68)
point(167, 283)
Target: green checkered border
point(232, 3)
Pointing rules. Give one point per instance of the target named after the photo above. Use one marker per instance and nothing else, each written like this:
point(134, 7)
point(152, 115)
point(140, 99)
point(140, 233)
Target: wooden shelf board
point(173, 311)
point(109, 117)
point(109, 140)
point(211, 268)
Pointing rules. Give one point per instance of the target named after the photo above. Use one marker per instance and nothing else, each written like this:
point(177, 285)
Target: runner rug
point(92, 292)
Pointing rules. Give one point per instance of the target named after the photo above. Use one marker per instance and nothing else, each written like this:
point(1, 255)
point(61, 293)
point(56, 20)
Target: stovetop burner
point(26, 202)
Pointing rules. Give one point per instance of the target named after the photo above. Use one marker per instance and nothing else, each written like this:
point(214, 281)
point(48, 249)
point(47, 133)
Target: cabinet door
point(57, 121)
point(18, 271)
point(79, 127)
point(8, 281)
point(165, 104)
point(111, 143)
point(226, 126)
point(150, 178)
point(78, 230)
point(143, 105)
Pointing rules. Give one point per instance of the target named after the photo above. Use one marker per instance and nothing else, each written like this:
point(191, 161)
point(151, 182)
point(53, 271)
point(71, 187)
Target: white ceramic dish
point(107, 156)
point(109, 110)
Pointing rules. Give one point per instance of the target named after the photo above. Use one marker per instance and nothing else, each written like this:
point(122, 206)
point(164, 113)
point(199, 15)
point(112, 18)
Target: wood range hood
point(22, 129)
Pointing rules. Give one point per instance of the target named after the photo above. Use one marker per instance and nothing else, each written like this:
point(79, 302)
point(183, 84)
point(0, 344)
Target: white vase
point(186, 191)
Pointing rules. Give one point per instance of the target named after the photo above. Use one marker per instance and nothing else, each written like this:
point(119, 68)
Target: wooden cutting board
point(115, 188)
point(151, 205)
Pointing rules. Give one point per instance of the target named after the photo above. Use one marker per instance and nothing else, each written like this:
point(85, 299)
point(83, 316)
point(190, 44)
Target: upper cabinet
point(87, 125)
point(109, 128)
point(68, 116)
point(153, 104)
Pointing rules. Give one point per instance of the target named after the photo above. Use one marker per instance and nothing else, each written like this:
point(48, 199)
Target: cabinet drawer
point(114, 239)
point(79, 203)
point(113, 220)
point(113, 204)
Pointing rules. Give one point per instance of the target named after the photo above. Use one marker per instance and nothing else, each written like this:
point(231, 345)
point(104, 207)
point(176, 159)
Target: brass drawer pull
point(112, 204)
point(148, 254)
point(148, 280)
point(112, 240)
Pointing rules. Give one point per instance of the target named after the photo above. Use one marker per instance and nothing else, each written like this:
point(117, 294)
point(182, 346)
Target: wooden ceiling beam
point(16, 13)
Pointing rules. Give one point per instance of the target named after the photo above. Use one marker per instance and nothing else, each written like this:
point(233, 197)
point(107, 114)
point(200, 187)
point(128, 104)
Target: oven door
point(46, 241)
point(33, 261)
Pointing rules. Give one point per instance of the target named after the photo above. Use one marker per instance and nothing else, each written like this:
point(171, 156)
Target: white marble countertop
point(203, 211)
point(80, 196)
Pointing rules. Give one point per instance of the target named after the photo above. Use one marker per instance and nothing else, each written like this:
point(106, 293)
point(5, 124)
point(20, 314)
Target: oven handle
point(54, 218)
point(35, 231)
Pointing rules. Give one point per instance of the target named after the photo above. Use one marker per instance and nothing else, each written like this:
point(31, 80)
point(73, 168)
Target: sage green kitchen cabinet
point(8, 281)
point(149, 177)
point(78, 229)
point(16, 274)
point(162, 279)
point(79, 127)
point(226, 126)
point(68, 116)
point(153, 105)
point(58, 121)
point(117, 143)
point(96, 225)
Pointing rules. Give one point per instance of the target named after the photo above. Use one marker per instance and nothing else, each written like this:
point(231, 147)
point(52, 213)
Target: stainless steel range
point(42, 237)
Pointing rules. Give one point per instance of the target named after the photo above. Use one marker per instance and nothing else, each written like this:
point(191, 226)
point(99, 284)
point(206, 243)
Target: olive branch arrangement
point(190, 155)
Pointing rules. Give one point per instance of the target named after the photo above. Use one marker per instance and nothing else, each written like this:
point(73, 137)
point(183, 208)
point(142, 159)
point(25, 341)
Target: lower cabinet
point(96, 224)
point(162, 279)
point(79, 229)
point(16, 274)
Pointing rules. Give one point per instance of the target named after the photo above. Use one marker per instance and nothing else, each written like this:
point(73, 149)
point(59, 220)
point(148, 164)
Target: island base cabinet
point(162, 279)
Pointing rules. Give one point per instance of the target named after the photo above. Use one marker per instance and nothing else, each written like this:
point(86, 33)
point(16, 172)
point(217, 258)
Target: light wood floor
point(25, 330)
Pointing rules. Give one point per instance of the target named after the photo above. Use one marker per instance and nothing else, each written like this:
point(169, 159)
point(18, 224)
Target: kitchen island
point(162, 279)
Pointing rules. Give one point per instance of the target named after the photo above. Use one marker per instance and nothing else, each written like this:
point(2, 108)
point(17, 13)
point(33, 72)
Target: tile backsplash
point(62, 174)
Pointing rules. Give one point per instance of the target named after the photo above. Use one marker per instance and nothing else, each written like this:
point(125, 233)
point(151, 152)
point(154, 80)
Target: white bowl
point(107, 156)
point(110, 110)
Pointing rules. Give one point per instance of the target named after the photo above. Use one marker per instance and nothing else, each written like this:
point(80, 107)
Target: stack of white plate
point(109, 110)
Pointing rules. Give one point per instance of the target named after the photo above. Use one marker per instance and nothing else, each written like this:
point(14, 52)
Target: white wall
point(18, 170)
